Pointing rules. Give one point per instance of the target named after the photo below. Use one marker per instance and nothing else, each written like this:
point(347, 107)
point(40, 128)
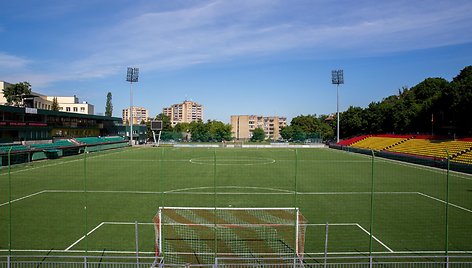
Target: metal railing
point(464, 261)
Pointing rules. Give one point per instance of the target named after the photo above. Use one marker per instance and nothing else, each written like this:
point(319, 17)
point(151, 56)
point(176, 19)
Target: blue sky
point(265, 57)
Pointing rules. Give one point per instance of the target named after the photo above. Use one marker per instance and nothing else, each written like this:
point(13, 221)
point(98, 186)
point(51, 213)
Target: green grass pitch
point(55, 203)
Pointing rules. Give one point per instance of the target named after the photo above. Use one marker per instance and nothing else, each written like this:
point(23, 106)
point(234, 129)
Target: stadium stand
point(465, 158)
point(352, 140)
point(114, 139)
point(48, 149)
point(432, 148)
point(55, 144)
point(14, 148)
point(378, 142)
point(99, 140)
point(90, 140)
point(419, 146)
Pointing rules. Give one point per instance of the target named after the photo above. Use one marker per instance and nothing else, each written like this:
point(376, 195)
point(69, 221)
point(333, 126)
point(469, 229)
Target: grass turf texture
point(127, 185)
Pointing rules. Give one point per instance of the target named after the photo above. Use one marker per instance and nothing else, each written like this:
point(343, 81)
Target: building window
point(82, 109)
point(67, 109)
point(75, 109)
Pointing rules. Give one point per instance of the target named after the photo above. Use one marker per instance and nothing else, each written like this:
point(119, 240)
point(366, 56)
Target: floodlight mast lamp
point(131, 76)
point(337, 78)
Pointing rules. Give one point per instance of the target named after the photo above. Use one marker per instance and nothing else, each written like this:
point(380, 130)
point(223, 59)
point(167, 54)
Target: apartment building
point(71, 104)
point(185, 112)
point(40, 101)
point(139, 114)
point(244, 125)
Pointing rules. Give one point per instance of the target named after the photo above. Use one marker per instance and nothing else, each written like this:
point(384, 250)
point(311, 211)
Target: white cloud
point(225, 29)
point(216, 31)
point(11, 62)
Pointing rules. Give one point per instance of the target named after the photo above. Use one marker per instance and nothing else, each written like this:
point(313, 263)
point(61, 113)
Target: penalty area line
point(375, 238)
point(80, 239)
point(444, 202)
point(21, 198)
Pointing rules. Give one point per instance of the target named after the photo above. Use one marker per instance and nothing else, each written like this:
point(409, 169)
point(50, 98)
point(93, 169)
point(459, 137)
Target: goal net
point(199, 235)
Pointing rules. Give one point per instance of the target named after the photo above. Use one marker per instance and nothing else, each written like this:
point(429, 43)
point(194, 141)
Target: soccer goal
point(199, 235)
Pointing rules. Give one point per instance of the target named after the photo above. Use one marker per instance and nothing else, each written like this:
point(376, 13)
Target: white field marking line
point(102, 191)
point(82, 251)
point(391, 253)
point(376, 239)
point(100, 225)
point(444, 202)
point(184, 191)
point(351, 193)
point(59, 163)
point(306, 253)
point(252, 224)
point(313, 224)
point(127, 223)
point(230, 187)
point(258, 161)
point(80, 239)
point(21, 198)
point(412, 165)
point(288, 193)
point(143, 160)
point(325, 161)
point(432, 169)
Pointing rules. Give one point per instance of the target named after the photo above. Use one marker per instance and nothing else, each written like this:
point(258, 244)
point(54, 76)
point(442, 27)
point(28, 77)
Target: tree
point(55, 104)
point(109, 106)
point(219, 131)
point(286, 133)
point(182, 127)
point(352, 121)
point(258, 134)
point(312, 126)
point(199, 131)
point(14, 93)
point(460, 100)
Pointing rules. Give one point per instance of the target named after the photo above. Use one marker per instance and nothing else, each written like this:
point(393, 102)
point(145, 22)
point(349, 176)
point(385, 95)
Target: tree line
point(435, 106)
point(210, 131)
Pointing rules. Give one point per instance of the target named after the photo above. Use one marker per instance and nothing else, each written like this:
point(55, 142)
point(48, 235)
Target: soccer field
point(92, 202)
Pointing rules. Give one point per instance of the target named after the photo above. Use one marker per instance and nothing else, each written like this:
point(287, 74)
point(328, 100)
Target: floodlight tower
point(131, 76)
point(337, 78)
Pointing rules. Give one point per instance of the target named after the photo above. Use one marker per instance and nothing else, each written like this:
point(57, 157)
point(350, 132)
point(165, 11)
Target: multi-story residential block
point(139, 114)
point(185, 112)
point(71, 104)
point(244, 125)
point(40, 101)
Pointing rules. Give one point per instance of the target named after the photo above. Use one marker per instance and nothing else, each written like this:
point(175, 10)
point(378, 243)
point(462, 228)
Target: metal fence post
point(8, 261)
point(85, 261)
point(371, 229)
point(85, 200)
point(137, 244)
point(9, 201)
point(446, 249)
point(326, 246)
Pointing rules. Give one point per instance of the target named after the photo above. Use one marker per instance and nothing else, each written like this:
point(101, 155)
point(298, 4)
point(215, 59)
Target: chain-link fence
point(101, 203)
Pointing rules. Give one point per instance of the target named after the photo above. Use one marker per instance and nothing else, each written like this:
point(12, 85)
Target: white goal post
point(200, 234)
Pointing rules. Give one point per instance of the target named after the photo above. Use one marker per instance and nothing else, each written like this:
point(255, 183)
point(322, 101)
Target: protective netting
point(198, 235)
